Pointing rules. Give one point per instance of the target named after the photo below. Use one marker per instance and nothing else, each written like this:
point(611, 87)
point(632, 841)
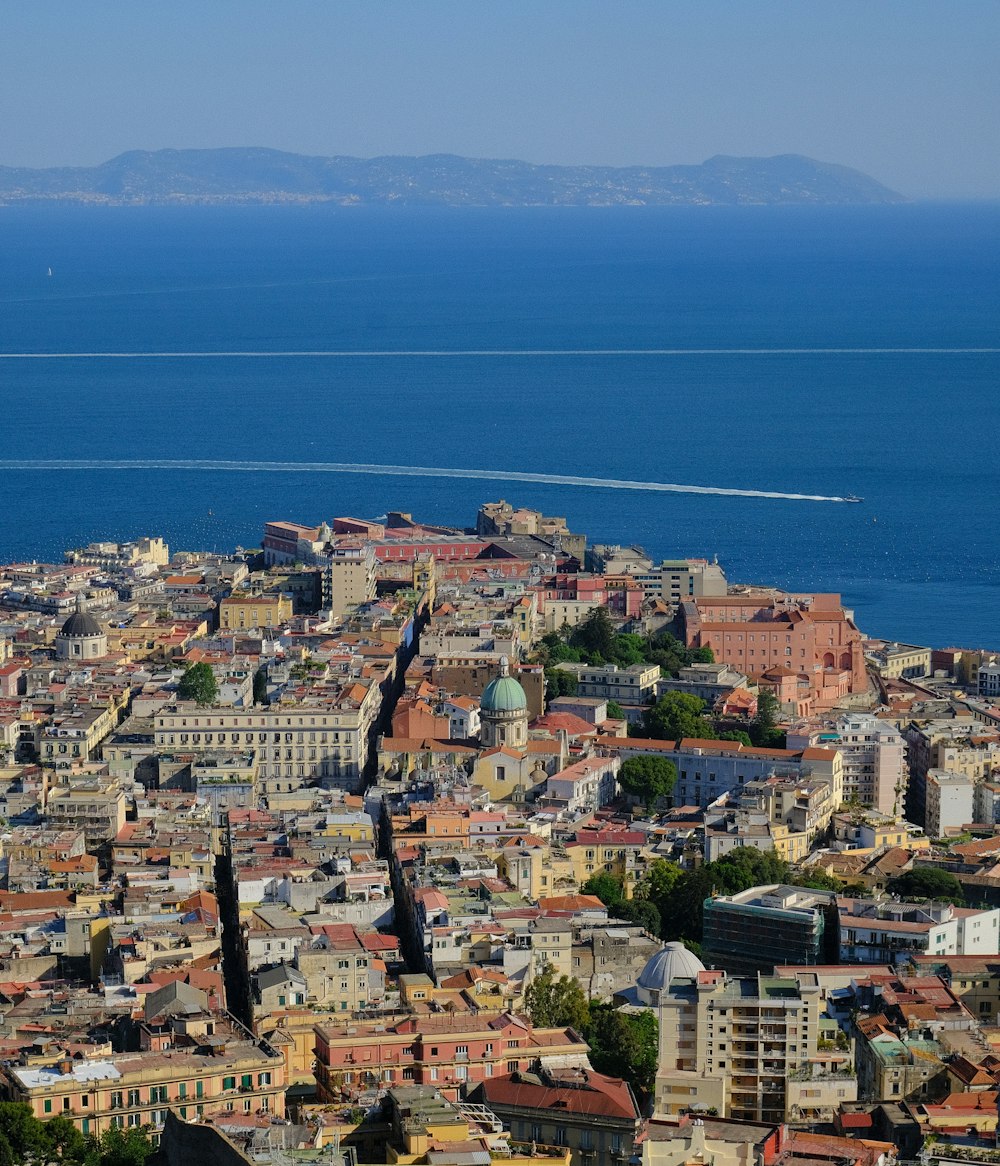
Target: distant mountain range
point(238, 175)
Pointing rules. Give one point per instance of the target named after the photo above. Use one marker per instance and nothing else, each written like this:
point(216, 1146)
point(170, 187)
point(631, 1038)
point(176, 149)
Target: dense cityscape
point(393, 842)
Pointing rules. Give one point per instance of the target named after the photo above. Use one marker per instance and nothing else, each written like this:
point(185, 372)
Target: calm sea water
point(914, 433)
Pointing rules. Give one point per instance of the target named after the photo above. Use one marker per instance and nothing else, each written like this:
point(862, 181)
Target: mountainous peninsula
point(238, 175)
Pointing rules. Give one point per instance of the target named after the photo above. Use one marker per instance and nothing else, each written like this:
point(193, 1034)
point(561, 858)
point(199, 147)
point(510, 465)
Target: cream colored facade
point(349, 580)
point(98, 810)
point(692, 1145)
point(510, 776)
point(732, 1044)
point(296, 744)
point(898, 661)
point(536, 871)
point(254, 611)
point(566, 611)
point(76, 735)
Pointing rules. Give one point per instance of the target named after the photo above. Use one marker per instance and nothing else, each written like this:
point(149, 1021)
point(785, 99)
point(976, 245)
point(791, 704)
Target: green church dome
point(503, 694)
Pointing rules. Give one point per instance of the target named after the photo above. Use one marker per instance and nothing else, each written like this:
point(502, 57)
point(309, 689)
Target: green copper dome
point(504, 694)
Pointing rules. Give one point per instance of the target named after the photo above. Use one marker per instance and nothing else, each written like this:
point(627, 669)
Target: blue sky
point(907, 90)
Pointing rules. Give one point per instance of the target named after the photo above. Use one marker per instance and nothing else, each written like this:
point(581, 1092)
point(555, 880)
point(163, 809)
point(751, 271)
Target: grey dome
point(672, 962)
point(81, 623)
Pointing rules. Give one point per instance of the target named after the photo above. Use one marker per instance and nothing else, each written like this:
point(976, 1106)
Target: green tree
point(734, 735)
point(764, 728)
point(817, 880)
point(928, 882)
point(559, 682)
point(62, 1140)
point(659, 881)
point(260, 686)
point(606, 887)
point(129, 1147)
point(648, 777)
point(676, 715)
point(682, 907)
point(627, 650)
point(624, 1044)
point(746, 867)
point(683, 911)
point(615, 711)
point(20, 1133)
point(198, 684)
point(23, 1138)
point(642, 912)
point(552, 1002)
point(554, 649)
point(595, 634)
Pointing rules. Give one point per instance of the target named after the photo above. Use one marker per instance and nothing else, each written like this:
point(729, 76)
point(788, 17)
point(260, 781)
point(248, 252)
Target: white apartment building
point(587, 784)
point(988, 680)
point(873, 754)
point(951, 802)
point(889, 932)
point(634, 685)
point(675, 580)
point(959, 744)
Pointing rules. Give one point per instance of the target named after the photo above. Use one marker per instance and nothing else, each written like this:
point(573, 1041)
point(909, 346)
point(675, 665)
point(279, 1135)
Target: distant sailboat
point(50, 271)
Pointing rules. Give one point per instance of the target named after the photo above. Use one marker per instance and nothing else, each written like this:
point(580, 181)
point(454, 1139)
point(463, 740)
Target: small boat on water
point(853, 498)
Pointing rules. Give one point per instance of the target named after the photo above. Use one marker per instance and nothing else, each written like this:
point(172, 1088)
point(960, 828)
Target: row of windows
point(409, 1073)
point(270, 722)
point(247, 736)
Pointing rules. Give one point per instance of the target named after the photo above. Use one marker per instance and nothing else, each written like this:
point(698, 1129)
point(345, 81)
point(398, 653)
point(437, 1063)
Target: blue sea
point(886, 394)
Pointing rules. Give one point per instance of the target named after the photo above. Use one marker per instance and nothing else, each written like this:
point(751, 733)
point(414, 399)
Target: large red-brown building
point(452, 1053)
point(810, 636)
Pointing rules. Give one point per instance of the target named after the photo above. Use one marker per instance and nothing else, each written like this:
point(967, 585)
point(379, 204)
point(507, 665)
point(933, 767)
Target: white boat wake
point(254, 467)
point(356, 354)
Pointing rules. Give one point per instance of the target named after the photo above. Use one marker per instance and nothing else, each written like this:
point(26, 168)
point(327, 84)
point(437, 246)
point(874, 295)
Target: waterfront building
point(348, 579)
point(896, 661)
point(988, 680)
point(675, 580)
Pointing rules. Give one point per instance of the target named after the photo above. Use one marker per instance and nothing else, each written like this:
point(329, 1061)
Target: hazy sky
point(907, 90)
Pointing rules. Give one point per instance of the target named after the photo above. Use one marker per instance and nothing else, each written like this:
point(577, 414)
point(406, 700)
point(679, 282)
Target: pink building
point(806, 644)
